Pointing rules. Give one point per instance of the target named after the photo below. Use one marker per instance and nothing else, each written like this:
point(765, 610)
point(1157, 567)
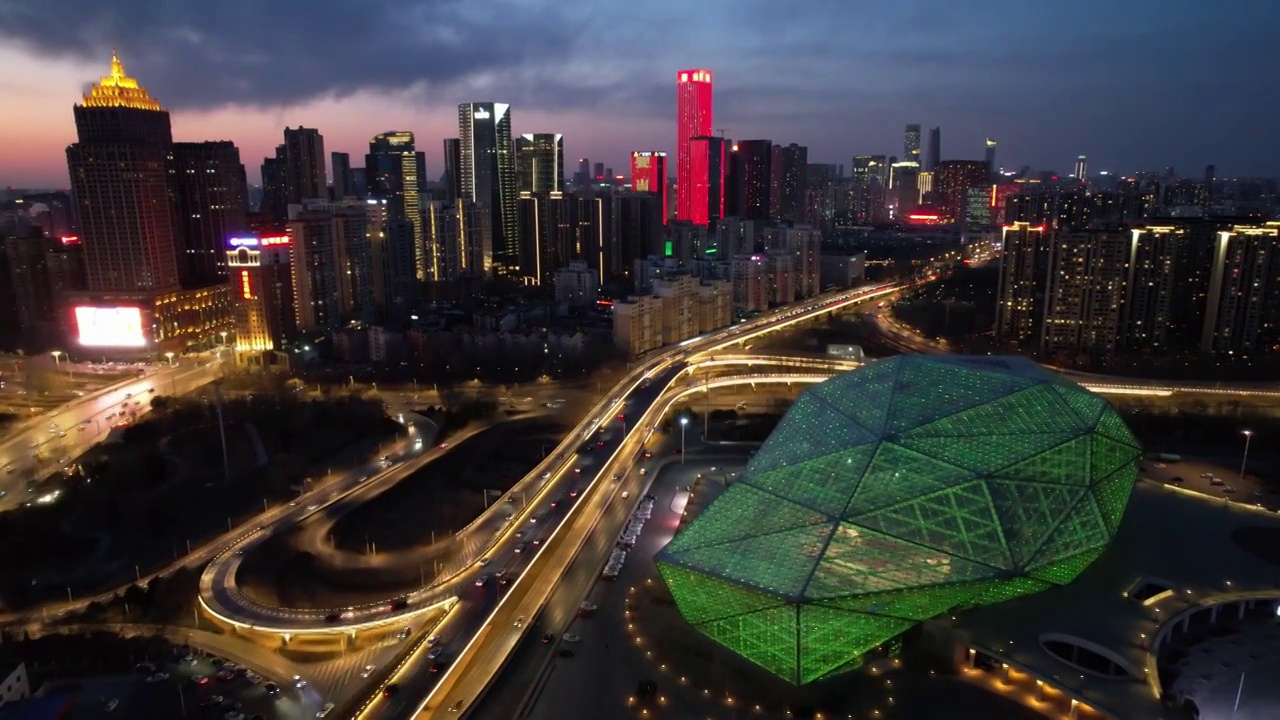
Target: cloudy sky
point(1134, 84)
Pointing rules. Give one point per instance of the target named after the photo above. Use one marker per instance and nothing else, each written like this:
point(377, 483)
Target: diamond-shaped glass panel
point(865, 398)
point(767, 638)
point(811, 429)
point(986, 454)
point(825, 484)
point(701, 597)
point(1107, 455)
point(1111, 425)
point(1087, 406)
point(1066, 569)
point(1111, 493)
point(742, 511)
point(1066, 464)
point(1082, 528)
point(897, 473)
point(779, 563)
point(915, 604)
point(1029, 512)
point(1038, 409)
point(927, 391)
point(829, 638)
point(958, 520)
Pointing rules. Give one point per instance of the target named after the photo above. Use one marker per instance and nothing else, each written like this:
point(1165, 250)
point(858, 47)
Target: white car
point(367, 671)
point(520, 621)
point(328, 708)
point(570, 638)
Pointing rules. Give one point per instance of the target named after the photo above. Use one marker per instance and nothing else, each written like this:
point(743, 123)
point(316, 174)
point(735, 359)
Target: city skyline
point(1052, 83)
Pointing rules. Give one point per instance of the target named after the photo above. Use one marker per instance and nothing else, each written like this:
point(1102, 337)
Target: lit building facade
point(396, 173)
point(262, 289)
point(540, 162)
point(649, 175)
point(707, 174)
point(637, 324)
point(210, 198)
point(693, 120)
point(951, 184)
point(488, 178)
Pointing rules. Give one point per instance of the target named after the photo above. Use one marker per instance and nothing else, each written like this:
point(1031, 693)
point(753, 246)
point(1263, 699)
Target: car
point(298, 682)
point(322, 712)
point(547, 637)
point(1161, 465)
point(145, 668)
point(533, 518)
point(482, 580)
point(1175, 479)
point(332, 618)
point(573, 493)
point(577, 470)
point(520, 548)
point(571, 638)
point(457, 704)
point(435, 652)
point(434, 640)
point(555, 502)
point(271, 689)
point(199, 680)
point(519, 621)
point(648, 453)
point(404, 633)
point(484, 561)
point(504, 581)
point(158, 677)
point(398, 604)
point(1215, 480)
point(253, 677)
point(436, 666)
point(225, 675)
point(626, 494)
point(367, 671)
point(644, 471)
point(1228, 489)
point(390, 690)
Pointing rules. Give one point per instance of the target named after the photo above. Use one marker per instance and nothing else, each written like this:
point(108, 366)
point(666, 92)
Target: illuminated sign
point(245, 288)
point(70, 239)
point(243, 242)
point(481, 114)
point(273, 240)
point(269, 241)
point(922, 219)
point(110, 327)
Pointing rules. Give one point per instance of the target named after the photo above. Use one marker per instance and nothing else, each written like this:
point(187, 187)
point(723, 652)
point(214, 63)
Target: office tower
point(331, 265)
point(304, 174)
point(952, 181)
point(756, 157)
point(590, 215)
point(903, 194)
point(1085, 293)
point(396, 173)
point(461, 240)
point(597, 174)
point(935, 150)
point(344, 181)
point(733, 189)
point(693, 120)
point(489, 176)
point(990, 158)
point(209, 197)
point(119, 176)
point(705, 195)
point(275, 197)
point(637, 224)
point(540, 162)
point(452, 169)
point(1244, 291)
point(775, 180)
point(394, 260)
point(360, 182)
point(582, 177)
point(261, 273)
point(609, 176)
point(867, 187)
point(1082, 169)
point(649, 175)
point(1020, 298)
point(34, 304)
point(911, 144)
point(546, 237)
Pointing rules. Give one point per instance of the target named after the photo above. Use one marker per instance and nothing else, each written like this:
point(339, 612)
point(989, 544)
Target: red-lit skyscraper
point(649, 174)
point(693, 119)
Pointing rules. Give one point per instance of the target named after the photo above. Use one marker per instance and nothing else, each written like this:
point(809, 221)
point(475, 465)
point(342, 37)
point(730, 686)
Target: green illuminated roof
point(897, 492)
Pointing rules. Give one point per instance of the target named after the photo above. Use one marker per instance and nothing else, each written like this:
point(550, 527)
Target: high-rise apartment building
point(1082, 169)
point(867, 187)
point(636, 222)
point(540, 162)
point(637, 324)
point(791, 196)
point(210, 198)
point(1021, 294)
point(332, 268)
point(452, 177)
point(693, 120)
point(120, 179)
point(804, 244)
point(344, 179)
point(649, 175)
point(397, 173)
point(1085, 293)
point(546, 235)
point(304, 174)
point(1243, 312)
point(756, 159)
point(275, 196)
point(952, 181)
point(911, 144)
point(488, 171)
point(935, 150)
point(262, 278)
point(460, 239)
point(576, 285)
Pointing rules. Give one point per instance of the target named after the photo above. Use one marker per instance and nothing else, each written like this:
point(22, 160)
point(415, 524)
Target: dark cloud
point(198, 54)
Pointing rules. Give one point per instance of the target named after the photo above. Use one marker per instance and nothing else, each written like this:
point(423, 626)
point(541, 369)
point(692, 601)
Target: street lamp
point(1248, 435)
point(684, 422)
point(56, 357)
point(170, 356)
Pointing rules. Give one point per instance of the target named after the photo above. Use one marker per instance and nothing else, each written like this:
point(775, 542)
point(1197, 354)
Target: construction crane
point(722, 131)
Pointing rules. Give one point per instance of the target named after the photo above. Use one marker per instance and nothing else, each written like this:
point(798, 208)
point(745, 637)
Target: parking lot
point(1199, 476)
point(186, 685)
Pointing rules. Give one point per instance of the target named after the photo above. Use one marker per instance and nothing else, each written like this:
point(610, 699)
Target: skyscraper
point(867, 187)
point(911, 144)
point(397, 173)
point(582, 177)
point(275, 198)
point(693, 119)
point(304, 174)
point(540, 162)
point(209, 197)
point(935, 150)
point(706, 173)
point(757, 159)
point(344, 181)
point(649, 174)
point(488, 171)
point(791, 199)
point(452, 169)
point(990, 157)
point(952, 181)
point(119, 175)
point(1082, 169)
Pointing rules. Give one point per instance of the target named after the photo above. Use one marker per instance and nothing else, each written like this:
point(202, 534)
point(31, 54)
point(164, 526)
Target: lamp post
point(1244, 461)
point(57, 357)
point(169, 355)
point(684, 423)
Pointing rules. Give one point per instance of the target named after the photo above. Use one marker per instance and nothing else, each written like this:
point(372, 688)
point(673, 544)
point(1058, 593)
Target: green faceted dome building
point(900, 491)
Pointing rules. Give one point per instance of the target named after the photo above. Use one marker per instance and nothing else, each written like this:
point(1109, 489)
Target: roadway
point(40, 448)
